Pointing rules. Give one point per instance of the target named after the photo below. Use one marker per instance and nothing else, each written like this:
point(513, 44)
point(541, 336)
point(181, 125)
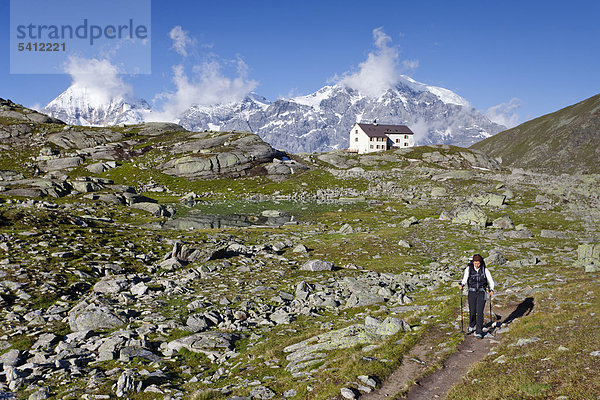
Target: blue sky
point(537, 56)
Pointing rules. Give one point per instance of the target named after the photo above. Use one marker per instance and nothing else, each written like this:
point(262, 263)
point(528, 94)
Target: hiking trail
point(407, 382)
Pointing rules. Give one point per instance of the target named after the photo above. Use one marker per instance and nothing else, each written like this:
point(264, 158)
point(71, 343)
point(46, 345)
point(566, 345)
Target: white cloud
point(380, 71)
point(410, 65)
point(207, 86)
point(98, 78)
point(505, 113)
point(181, 40)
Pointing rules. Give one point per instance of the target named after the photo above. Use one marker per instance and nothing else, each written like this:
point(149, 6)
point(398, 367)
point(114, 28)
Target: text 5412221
point(41, 46)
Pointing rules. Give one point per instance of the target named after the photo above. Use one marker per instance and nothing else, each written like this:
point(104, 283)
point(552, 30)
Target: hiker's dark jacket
point(477, 280)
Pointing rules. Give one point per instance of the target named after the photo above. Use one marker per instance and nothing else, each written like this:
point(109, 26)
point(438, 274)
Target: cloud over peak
point(181, 40)
point(505, 113)
point(99, 78)
point(380, 71)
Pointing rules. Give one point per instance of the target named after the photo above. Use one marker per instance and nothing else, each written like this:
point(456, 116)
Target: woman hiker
point(478, 278)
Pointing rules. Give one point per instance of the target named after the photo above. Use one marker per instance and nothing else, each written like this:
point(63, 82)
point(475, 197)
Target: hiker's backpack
point(477, 280)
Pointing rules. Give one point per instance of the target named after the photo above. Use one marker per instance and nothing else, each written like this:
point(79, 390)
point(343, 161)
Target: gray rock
point(127, 383)
point(129, 352)
point(468, 213)
point(112, 285)
point(24, 192)
point(262, 393)
point(409, 221)
point(591, 268)
point(496, 257)
point(404, 243)
point(86, 187)
point(203, 341)
point(461, 174)
point(60, 163)
point(302, 249)
point(547, 233)
point(86, 316)
point(11, 358)
point(139, 289)
point(346, 229)
point(504, 222)
point(8, 175)
point(488, 199)
point(281, 317)
point(159, 128)
point(45, 340)
point(367, 380)
point(100, 167)
point(338, 159)
point(439, 192)
point(317, 265)
point(289, 393)
point(153, 208)
point(197, 323)
point(272, 213)
point(348, 393)
point(40, 394)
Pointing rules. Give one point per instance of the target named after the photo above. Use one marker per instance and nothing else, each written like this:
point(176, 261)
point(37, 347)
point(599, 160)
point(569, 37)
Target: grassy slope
point(565, 141)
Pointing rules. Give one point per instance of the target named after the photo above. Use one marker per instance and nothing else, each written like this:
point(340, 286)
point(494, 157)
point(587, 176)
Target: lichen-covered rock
point(200, 342)
point(503, 222)
point(317, 265)
point(56, 164)
point(488, 199)
point(467, 213)
point(84, 317)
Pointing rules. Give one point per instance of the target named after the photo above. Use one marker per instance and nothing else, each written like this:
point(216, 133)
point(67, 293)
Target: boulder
point(84, 317)
point(262, 393)
point(504, 222)
point(547, 233)
point(488, 199)
point(60, 163)
point(409, 222)
point(200, 342)
point(154, 209)
point(496, 257)
point(468, 213)
point(317, 265)
point(112, 285)
point(439, 192)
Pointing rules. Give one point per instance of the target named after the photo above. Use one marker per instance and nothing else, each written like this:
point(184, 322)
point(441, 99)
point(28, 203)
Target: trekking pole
point(462, 317)
point(491, 320)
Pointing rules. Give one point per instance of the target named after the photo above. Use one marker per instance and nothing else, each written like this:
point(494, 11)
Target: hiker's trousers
point(476, 309)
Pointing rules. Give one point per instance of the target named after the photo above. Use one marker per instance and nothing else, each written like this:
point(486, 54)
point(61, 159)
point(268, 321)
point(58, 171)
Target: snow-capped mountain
point(77, 106)
point(321, 121)
point(317, 122)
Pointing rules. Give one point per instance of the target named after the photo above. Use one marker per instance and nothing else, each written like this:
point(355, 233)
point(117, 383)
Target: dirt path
point(405, 382)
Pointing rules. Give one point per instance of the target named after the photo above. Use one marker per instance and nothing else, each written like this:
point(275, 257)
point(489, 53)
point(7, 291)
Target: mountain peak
point(78, 105)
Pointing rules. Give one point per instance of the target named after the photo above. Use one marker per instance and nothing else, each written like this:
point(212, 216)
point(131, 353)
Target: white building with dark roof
point(367, 138)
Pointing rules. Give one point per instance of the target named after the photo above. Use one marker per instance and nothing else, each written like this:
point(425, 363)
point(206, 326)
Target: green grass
point(566, 323)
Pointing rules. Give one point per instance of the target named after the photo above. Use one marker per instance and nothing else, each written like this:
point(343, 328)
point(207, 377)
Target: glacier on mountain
point(316, 122)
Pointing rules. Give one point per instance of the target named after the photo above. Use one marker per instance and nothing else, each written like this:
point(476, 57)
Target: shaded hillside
point(566, 141)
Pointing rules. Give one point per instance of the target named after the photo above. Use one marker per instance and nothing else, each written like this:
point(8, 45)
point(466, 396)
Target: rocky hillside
point(566, 141)
point(149, 262)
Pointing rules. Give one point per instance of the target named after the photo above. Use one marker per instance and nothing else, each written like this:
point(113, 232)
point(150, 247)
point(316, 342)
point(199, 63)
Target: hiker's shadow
point(524, 308)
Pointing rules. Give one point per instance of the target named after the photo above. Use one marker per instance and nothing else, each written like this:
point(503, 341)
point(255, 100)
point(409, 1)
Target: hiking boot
point(470, 329)
point(478, 335)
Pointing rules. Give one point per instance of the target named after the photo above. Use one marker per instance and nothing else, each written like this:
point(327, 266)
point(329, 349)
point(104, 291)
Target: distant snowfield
point(316, 122)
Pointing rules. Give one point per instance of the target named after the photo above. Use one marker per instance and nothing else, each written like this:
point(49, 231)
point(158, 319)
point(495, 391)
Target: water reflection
point(208, 221)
